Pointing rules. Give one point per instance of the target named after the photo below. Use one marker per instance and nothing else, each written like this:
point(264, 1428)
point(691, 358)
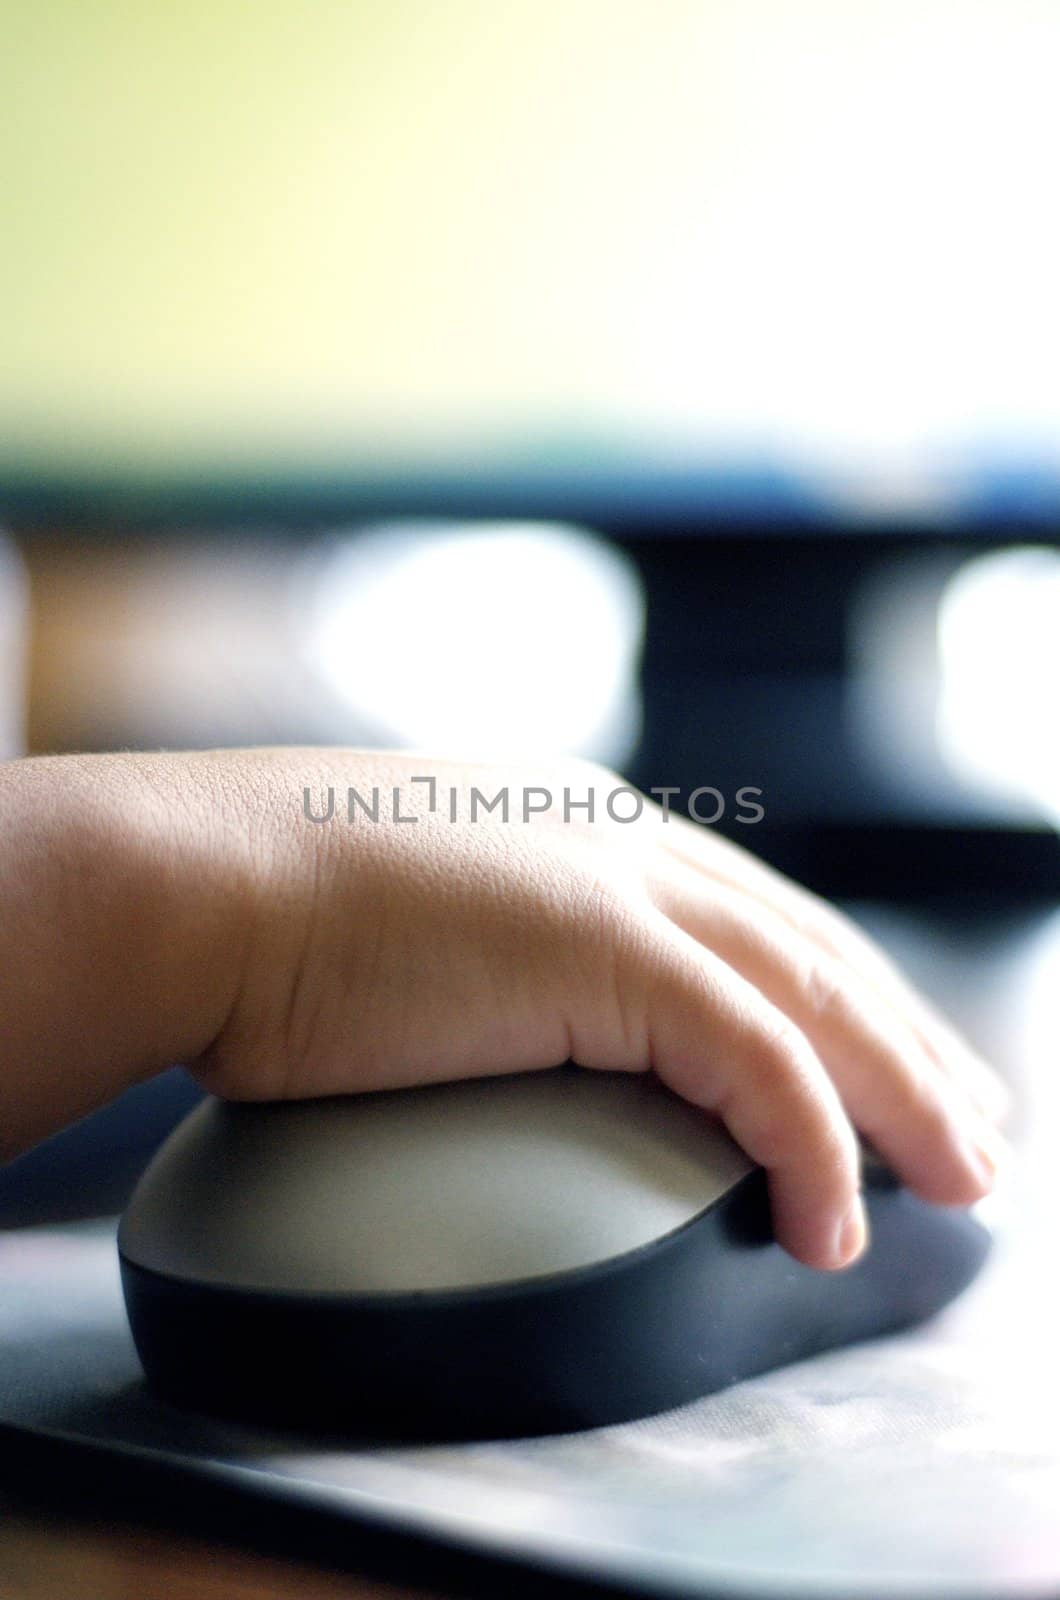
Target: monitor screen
point(769, 256)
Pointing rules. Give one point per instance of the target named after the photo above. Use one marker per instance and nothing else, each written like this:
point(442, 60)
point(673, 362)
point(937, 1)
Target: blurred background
point(672, 384)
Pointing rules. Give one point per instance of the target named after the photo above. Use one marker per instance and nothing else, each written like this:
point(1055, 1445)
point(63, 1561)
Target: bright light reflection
point(999, 654)
point(489, 640)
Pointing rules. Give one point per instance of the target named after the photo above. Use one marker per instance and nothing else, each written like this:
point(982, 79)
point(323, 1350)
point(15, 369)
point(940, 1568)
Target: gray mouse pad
point(915, 1463)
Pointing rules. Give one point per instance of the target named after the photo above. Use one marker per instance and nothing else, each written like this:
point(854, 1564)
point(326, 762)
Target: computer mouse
point(495, 1257)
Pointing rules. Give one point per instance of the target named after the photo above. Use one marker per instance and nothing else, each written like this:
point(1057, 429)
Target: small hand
point(383, 953)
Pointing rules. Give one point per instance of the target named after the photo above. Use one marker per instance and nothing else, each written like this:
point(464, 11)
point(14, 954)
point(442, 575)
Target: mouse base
point(715, 1302)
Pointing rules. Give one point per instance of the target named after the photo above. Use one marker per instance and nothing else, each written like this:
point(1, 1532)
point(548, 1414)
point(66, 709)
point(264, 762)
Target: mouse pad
point(931, 1459)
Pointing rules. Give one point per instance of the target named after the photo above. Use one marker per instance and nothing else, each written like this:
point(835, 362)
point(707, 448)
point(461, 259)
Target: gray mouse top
point(463, 1185)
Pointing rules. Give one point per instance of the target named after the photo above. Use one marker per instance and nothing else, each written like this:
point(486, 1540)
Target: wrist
point(120, 943)
point(186, 903)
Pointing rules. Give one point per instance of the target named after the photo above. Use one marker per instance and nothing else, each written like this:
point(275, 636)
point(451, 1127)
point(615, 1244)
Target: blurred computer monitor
point(686, 262)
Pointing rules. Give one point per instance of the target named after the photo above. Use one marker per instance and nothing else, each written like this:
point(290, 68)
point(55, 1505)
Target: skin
point(162, 908)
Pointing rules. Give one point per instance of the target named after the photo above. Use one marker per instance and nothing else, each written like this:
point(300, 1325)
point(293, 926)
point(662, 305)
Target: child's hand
point(314, 958)
point(387, 953)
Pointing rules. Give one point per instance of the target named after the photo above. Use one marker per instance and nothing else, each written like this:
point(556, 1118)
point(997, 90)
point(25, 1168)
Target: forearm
point(119, 932)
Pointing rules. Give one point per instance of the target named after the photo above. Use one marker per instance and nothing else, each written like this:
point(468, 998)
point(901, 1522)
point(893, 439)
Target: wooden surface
point(44, 1556)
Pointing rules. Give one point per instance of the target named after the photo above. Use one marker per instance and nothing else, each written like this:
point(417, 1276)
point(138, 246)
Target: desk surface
point(48, 1556)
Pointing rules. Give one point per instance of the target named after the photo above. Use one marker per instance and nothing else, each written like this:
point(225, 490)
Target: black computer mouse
point(509, 1255)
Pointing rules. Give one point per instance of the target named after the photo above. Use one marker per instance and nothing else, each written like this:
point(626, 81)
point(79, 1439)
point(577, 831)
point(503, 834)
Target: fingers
point(951, 1054)
point(718, 1042)
point(723, 862)
point(930, 1134)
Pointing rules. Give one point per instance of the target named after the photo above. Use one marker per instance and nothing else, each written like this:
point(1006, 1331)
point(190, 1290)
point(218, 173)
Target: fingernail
point(852, 1234)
